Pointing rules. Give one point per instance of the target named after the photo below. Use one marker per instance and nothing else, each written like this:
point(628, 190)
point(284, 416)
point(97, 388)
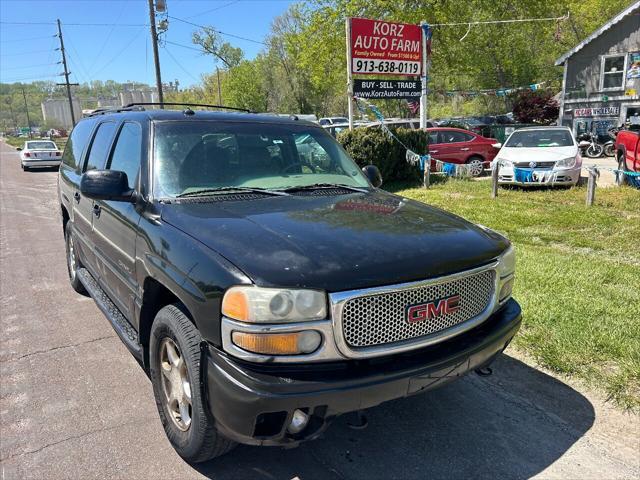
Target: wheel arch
point(155, 296)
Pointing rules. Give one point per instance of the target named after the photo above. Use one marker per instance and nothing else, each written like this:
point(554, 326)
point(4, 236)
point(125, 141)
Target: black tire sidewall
point(76, 284)
point(169, 324)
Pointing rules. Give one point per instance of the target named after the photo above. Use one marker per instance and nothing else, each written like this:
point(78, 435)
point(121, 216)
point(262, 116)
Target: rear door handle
point(96, 209)
point(76, 197)
point(465, 149)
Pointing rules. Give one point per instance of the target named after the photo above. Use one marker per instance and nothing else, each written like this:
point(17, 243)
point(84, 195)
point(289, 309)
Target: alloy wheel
point(71, 258)
point(175, 384)
point(476, 167)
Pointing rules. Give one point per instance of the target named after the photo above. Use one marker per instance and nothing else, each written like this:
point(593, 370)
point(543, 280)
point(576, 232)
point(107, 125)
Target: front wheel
point(174, 358)
point(73, 263)
point(594, 150)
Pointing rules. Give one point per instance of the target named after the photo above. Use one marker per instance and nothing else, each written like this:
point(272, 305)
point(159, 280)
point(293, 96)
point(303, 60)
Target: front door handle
point(76, 197)
point(96, 209)
point(465, 149)
point(433, 151)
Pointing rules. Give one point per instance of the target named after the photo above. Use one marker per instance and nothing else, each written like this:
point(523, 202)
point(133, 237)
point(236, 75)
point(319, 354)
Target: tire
point(25, 168)
point(476, 165)
point(610, 150)
point(621, 178)
point(594, 151)
point(174, 358)
point(73, 264)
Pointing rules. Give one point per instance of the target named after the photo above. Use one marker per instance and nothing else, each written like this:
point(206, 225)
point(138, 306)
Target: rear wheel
point(476, 166)
point(594, 150)
point(174, 357)
point(609, 150)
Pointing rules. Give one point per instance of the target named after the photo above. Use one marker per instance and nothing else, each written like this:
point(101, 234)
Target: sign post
point(349, 73)
point(424, 77)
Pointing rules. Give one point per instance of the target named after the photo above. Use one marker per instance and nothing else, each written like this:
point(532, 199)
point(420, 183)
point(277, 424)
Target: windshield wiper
point(321, 186)
point(225, 190)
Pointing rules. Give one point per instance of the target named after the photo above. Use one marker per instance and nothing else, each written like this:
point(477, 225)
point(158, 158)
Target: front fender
point(194, 273)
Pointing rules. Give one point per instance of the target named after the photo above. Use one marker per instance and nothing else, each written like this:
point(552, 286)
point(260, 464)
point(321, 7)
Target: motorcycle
point(589, 145)
point(610, 145)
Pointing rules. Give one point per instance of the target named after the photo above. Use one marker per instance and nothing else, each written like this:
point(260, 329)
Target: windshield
point(41, 146)
point(198, 155)
point(540, 138)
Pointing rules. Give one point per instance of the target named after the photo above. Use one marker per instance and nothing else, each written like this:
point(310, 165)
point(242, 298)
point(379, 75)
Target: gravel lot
point(75, 404)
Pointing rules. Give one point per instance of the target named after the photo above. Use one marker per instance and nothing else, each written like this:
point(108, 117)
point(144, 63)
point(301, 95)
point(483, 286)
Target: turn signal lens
point(235, 305)
point(278, 343)
point(506, 290)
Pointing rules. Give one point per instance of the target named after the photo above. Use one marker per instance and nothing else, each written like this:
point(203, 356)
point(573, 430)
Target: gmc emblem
point(430, 310)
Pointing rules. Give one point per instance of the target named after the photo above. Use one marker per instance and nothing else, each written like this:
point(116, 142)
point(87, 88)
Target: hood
point(536, 154)
point(335, 243)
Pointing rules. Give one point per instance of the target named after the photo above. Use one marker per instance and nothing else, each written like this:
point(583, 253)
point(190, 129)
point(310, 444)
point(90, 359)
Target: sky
point(118, 45)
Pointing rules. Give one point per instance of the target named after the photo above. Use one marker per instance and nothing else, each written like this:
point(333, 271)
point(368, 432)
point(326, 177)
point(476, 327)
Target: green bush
point(371, 146)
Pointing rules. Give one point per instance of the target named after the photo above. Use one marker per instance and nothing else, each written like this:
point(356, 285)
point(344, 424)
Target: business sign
point(387, 89)
point(596, 112)
point(385, 47)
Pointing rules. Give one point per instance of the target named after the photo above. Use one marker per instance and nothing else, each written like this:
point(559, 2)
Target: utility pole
point(156, 57)
point(26, 109)
point(66, 76)
point(219, 89)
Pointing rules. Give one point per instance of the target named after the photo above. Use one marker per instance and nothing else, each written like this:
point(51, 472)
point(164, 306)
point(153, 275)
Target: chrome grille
point(539, 165)
point(381, 318)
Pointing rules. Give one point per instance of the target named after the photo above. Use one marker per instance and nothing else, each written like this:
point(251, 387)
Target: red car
point(455, 145)
point(628, 155)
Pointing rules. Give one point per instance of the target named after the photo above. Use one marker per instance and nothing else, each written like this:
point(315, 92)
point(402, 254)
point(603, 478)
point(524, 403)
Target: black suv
point(264, 281)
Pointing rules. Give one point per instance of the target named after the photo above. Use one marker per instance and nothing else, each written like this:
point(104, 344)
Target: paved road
point(75, 404)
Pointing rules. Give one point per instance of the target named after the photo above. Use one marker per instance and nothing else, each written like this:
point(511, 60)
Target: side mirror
point(373, 174)
point(106, 185)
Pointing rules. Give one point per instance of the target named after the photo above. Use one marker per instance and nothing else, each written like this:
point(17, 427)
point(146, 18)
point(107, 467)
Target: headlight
point(568, 162)
point(506, 269)
point(504, 163)
point(273, 305)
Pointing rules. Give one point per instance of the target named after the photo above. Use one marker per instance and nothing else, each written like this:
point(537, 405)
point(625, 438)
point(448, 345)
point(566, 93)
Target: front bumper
point(555, 176)
point(253, 403)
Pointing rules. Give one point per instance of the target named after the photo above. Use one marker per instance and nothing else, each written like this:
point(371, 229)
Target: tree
point(211, 42)
point(535, 107)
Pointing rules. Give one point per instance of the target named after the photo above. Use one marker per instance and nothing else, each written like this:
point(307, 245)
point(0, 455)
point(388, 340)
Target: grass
point(577, 277)
point(19, 142)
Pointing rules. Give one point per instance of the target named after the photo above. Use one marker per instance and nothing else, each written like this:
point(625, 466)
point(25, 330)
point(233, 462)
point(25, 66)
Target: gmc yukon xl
point(264, 281)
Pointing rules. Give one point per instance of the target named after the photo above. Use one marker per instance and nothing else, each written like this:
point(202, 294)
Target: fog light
point(299, 420)
point(506, 290)
point(294, 343)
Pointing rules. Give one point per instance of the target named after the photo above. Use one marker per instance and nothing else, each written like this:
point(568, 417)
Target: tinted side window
point(76, 143)
point(100, 146)
point(127, 152)
point(451, 136)
point(433, 138)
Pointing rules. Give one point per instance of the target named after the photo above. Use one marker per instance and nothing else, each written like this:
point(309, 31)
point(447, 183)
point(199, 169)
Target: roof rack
point(188, 105)
point(140, 107)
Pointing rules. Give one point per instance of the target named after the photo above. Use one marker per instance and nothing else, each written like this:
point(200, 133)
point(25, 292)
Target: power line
point(180, 65)
point(119, 52)
point(185, 46)
point(79, 24)
point(13, 80)
point(26, 39)
point(494, 22)
point(214, 9)
point(30, 66)
point(22, 53)
point(219, 31)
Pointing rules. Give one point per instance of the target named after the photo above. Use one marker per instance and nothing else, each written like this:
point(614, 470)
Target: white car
point(539, 156)
point(40, 153)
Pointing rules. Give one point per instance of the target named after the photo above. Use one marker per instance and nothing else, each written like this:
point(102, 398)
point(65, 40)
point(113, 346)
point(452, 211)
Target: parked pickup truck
point(628, 152)
point(264, 281)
